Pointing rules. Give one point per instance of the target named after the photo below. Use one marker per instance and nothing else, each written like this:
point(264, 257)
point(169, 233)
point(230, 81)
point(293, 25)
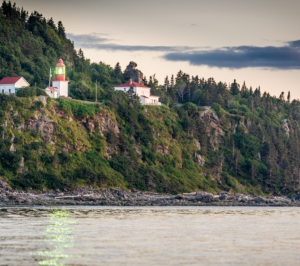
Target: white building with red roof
point(142, 91)
point(10, 85)
point(52, 92)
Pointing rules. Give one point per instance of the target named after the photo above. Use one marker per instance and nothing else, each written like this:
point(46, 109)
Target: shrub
point(30, 92)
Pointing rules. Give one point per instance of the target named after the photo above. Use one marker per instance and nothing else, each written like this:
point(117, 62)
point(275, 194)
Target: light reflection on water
point(149, 236)
point(60, 235)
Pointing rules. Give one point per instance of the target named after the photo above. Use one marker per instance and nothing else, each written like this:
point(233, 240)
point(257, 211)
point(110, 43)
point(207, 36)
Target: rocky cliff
point(63, 144)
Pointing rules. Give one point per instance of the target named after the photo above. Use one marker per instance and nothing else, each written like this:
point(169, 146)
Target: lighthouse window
point(60, 71)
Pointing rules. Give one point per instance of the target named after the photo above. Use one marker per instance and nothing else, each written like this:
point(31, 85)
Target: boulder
point(12, 148)
point(199, 159)
point(259, 199)
point(132, 73)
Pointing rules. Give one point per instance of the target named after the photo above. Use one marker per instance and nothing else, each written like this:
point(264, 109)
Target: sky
point(255, 41)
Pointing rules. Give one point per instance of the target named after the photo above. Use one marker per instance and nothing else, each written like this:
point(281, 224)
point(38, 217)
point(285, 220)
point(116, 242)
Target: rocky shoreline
point(118, 197)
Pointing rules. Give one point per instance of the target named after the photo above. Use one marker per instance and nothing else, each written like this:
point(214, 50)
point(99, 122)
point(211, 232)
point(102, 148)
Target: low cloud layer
point(284, 57)
point(98, 42)
point(88, 38)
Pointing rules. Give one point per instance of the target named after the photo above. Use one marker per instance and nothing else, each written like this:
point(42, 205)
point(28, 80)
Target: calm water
point(150, 236)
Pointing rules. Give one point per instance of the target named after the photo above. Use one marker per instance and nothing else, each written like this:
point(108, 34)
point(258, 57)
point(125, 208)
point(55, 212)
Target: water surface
point(149, 236)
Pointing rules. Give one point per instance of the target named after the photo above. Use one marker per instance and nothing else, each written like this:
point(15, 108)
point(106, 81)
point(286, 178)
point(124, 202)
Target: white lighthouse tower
point(60, 81)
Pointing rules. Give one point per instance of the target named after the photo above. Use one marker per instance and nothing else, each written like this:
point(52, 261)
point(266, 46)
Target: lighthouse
point(60, 81)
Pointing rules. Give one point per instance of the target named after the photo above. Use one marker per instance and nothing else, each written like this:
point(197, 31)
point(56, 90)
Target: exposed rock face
point(12, 148)
point(286, 127)
point(66, 148)
point(21, 166)
point(43, 99)
point(138, 149)
point(197, 144)
point(163, 149)
point(49, 130)
point(214, 129)
point(134, 74)
point(199, 159)
point(102, 123)
point(107, 124)
point(44, 124)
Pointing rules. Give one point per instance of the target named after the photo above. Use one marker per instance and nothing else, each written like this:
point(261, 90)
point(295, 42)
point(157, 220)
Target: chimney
point(130, 81)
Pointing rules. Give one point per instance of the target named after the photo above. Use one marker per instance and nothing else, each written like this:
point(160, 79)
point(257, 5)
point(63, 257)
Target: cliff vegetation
point(207, 135)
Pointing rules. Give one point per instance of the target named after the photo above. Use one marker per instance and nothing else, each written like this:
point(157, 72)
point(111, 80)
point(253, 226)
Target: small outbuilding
point(52, 92)
point(10, 85)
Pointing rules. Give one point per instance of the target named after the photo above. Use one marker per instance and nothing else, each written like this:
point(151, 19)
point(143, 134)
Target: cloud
point(284, 57)
point(295, 43)
point(118, 47)
point(88, 38)
point(97, 41)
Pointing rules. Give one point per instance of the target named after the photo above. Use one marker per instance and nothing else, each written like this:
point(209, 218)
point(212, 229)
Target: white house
point(52, 92)
point(10, 85)
point(140, 90)
point(60, 86)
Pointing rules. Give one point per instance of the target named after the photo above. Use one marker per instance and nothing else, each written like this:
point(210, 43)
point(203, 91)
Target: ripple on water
point(149, 235)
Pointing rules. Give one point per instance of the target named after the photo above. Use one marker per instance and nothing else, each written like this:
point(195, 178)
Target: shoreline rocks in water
point(118, 197)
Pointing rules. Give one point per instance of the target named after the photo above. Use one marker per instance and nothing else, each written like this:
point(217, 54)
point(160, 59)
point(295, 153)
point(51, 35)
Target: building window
point(124, 89)
point(9, 91)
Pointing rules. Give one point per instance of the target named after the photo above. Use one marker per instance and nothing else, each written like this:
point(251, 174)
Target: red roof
point(10, 80)
point(144, 96)
point(60, 63)
point(52, 88)
point(133, 84)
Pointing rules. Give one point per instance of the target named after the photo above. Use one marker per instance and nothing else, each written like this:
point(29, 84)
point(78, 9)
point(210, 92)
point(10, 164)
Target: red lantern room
point(60, 71)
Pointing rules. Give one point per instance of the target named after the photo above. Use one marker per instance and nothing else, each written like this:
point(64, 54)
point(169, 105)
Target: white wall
point(21, 83)
point(143, 100)
point(143, 91)
point(7, 89)
point(52, 94)
point(138, 90)
point(63, 88)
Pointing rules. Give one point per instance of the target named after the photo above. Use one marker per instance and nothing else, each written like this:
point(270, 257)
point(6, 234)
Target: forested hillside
point(208, 135)
point(31, 44)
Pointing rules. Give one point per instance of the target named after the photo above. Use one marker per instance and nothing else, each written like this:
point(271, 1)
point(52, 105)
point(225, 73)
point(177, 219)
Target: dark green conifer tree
point(234, 88)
